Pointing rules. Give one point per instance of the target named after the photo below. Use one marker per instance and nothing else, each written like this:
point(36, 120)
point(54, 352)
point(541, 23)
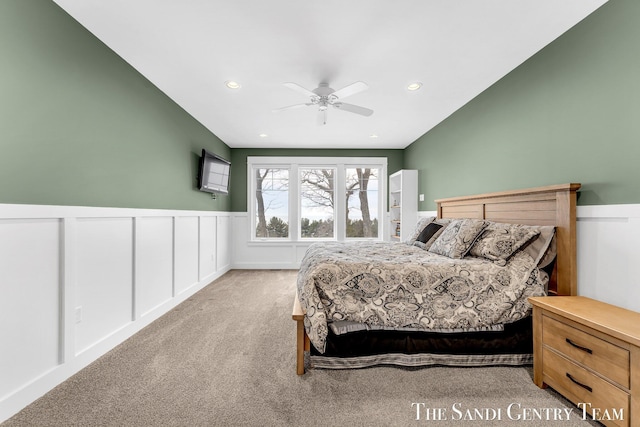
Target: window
point(362, 195)
point(312, 198)
point(317, 194)
point(272, 203)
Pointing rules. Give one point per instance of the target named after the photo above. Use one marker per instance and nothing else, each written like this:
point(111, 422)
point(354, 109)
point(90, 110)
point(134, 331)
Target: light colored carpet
point(226, 357)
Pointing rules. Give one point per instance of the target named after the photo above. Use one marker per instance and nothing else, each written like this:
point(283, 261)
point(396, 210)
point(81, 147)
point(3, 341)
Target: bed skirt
point(421, 360)
point(511, 347)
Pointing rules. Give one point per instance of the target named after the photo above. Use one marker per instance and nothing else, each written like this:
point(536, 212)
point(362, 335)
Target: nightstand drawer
point(603, 357)
point(581, 386)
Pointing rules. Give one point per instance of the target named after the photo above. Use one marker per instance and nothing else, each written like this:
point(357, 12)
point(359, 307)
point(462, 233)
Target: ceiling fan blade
point(299, 89)
point(291, 107)
point(353, 108)
point(322, 117)
point(352, 89)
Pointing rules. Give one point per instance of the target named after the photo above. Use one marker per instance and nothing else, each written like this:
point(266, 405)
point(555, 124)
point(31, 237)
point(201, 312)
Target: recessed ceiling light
point(373, 135)
point(263, 135)
point(414, 86)
point(232, 85)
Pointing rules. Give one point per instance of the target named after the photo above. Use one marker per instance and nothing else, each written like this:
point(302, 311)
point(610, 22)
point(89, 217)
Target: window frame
point(294, 164)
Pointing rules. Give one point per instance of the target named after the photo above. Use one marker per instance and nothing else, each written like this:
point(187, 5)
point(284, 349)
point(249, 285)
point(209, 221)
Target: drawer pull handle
point(588, 350)
point(586, 387)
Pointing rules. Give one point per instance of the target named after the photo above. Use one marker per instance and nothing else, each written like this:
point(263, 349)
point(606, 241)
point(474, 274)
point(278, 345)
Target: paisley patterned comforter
point(398, 285)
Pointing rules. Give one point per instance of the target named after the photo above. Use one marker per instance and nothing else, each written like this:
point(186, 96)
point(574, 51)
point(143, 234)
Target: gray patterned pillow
point(456, 240)
point(422, 223)
point(499, 241)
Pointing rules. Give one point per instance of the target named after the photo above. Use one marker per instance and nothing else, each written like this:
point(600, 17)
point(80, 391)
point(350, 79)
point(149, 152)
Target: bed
point(457, 303)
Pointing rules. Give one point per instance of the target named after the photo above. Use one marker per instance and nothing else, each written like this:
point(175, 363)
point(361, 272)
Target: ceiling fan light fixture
point(232, 84)
point(324, 97)
point(414, 86)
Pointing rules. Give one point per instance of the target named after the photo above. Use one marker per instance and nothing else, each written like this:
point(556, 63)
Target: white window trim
point(294, 164)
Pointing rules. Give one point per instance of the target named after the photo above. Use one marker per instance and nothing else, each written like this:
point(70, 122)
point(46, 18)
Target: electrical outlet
point(421, 197)
point(79, 314)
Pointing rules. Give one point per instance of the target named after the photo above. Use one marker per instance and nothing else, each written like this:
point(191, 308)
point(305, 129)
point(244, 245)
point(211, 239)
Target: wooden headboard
point(549, 205)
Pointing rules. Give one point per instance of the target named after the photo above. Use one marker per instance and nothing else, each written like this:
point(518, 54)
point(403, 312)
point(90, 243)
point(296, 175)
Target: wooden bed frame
point(550, 205)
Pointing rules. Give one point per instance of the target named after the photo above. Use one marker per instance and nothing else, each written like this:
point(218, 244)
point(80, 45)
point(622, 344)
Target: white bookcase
point(403, 203)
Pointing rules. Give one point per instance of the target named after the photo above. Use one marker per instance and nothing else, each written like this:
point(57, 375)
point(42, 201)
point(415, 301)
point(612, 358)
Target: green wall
point(239, 165)
point(571, 113)
point(79, 126)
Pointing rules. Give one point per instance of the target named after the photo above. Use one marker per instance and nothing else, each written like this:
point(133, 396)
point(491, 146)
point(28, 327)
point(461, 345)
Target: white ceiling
point(456, 48)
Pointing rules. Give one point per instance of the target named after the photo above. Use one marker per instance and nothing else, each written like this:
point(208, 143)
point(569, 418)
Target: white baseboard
point(265, 266)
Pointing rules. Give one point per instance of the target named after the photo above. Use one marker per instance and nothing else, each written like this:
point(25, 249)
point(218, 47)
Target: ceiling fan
point(324, 97)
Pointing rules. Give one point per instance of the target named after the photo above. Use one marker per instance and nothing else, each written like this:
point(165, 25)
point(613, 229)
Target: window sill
point(283, 242)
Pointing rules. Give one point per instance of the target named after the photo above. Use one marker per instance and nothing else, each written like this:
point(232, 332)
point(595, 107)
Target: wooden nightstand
point(589, 352)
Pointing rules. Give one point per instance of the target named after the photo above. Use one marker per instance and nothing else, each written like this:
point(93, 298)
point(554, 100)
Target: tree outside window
point(361, 216)
point(272, 203)
point(317, 191)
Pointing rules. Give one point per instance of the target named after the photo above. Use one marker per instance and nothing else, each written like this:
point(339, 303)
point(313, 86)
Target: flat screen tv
point(213, 176)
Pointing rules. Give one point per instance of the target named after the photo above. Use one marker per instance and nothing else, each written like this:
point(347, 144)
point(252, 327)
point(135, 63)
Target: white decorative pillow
point(499, 241)
point(543, 248)
point(456, 240)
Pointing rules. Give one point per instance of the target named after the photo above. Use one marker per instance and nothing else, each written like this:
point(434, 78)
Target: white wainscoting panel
point(300, 251)
point(154, 263)
point(426, 214)
point(262, 255)
point(30, 342)
point(104, 278)
point(77, 281)
point(207, 246)
point(608, 251)
point(223, 250)
point(186, 253)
